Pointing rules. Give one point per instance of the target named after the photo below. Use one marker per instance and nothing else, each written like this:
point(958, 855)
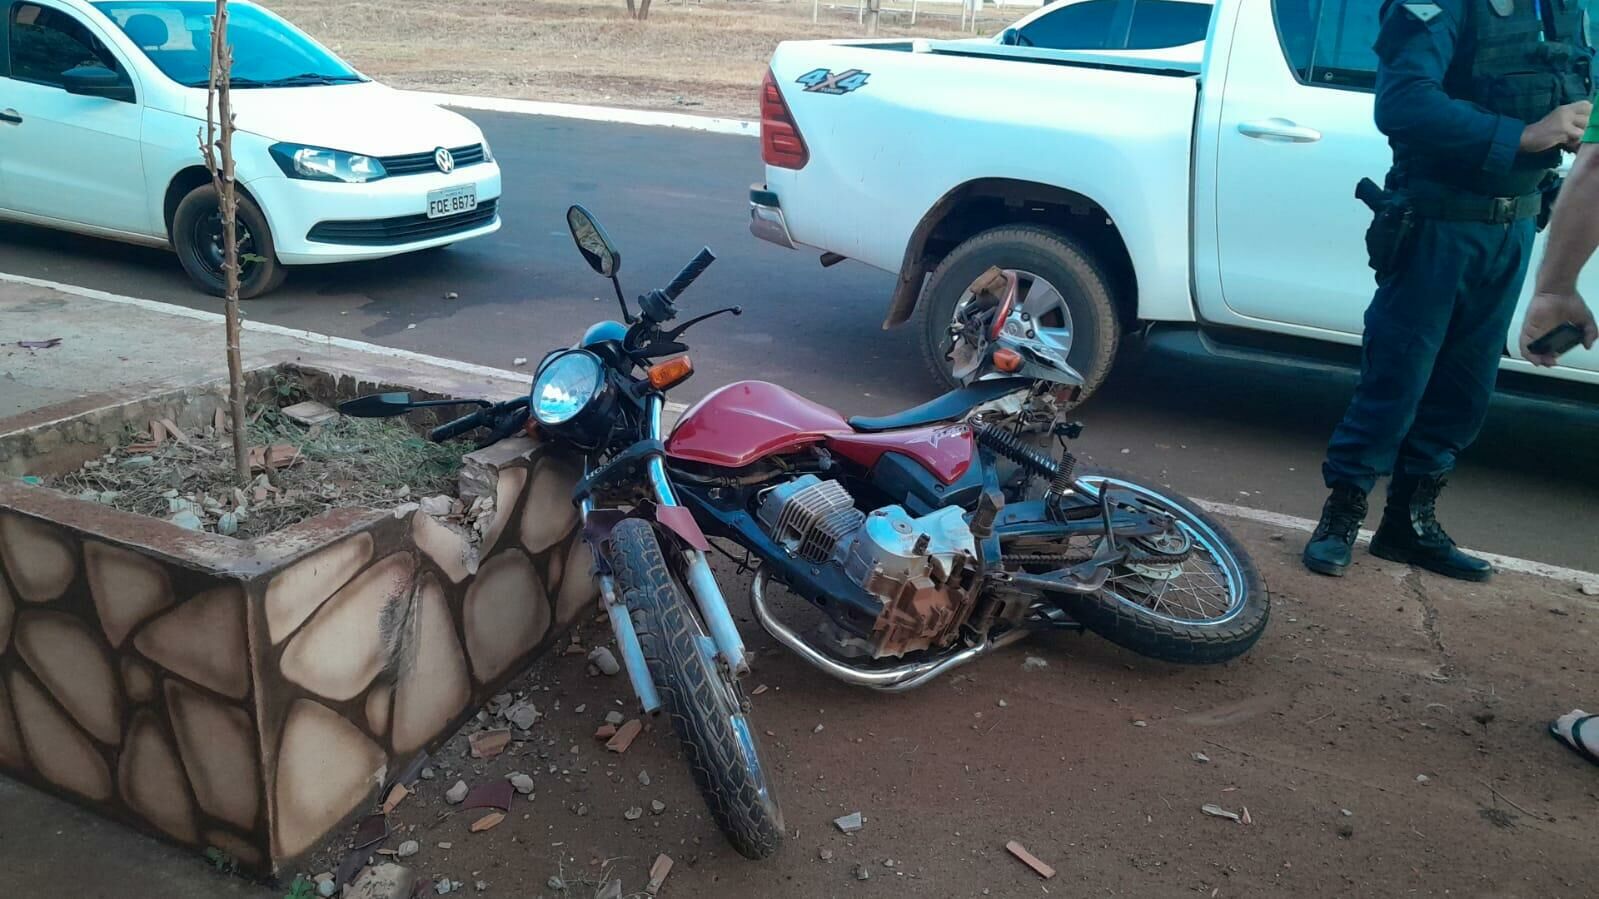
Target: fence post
point(816, 7)
point(913, 11)
point(874, 10)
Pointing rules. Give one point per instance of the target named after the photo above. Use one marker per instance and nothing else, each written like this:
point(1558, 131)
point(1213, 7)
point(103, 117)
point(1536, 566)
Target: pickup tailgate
point(891, 130)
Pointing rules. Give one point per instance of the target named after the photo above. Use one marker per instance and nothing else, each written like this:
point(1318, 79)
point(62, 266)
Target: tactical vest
point(1522, 69)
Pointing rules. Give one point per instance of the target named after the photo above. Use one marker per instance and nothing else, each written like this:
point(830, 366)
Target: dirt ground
point(1387, 737)
point(689, 56)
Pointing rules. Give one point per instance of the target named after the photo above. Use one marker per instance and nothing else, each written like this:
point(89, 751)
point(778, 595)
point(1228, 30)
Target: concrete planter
point(252, 695)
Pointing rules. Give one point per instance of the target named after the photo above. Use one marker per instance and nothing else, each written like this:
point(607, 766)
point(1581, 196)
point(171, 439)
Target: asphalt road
point(1221, 431)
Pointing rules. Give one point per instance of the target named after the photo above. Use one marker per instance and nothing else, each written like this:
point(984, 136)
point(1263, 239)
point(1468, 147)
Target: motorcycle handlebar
point(690, 272)
point(458, 427)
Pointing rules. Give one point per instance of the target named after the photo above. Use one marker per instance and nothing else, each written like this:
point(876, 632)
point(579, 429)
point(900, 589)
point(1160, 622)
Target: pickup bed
point(1210, 204)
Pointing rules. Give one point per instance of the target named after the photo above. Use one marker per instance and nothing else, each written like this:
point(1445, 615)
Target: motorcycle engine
point(922, 570)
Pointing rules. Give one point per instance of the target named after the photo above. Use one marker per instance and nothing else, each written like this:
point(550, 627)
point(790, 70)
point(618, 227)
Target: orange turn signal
point(671, 372)
point(1007, 359)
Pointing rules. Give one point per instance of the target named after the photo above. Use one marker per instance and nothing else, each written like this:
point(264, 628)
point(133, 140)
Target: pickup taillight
point(781, 143)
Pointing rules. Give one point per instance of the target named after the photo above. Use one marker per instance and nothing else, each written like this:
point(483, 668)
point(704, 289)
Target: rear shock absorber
point(1061, 474)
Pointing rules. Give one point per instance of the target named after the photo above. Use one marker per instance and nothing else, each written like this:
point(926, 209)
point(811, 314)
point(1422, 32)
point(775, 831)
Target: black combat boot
point(1333, 542)
point(1410, 532)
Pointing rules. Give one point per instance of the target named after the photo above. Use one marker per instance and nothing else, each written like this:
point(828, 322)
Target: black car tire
point(1056, 257)
point(260, 274)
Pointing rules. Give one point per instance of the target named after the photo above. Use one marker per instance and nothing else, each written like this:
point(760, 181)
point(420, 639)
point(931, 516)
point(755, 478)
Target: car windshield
point(267, 51)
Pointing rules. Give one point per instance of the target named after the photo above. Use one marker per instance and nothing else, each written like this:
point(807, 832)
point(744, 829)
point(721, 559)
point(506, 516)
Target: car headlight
point(319, 164)
point(566, 384)
point(488, 152)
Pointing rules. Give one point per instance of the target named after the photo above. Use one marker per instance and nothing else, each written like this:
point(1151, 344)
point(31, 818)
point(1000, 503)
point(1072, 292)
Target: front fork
point(702, 586)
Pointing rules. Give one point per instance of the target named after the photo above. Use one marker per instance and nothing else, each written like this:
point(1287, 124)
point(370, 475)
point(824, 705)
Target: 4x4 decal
point(825, 81)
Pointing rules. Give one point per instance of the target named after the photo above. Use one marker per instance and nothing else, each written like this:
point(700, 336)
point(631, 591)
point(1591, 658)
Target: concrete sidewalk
point(111, 350)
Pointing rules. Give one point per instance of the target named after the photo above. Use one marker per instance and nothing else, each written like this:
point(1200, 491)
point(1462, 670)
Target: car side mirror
point(98, 81)
point(592, 242)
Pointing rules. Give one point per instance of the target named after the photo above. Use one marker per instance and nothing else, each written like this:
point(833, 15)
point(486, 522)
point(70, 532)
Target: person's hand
point(1549, 311)
point(1561, 128)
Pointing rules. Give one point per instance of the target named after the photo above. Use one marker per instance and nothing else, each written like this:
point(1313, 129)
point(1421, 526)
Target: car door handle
point(1281, 130)
point(10, 117)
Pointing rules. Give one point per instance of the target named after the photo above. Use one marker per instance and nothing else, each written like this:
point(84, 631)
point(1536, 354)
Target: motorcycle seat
point(948, 407)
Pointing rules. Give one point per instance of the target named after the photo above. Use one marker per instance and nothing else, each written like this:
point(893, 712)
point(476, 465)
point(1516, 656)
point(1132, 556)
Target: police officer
point(1477, 98)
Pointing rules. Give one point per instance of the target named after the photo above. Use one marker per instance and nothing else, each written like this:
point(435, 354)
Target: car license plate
point(451, 201)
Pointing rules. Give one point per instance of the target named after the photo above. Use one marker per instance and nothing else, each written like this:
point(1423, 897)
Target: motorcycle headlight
point(566, 385)
point(319, 164)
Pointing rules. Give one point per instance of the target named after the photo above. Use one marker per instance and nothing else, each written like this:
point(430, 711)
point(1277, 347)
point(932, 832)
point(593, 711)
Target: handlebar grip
point(457, 427)
point(690, 272)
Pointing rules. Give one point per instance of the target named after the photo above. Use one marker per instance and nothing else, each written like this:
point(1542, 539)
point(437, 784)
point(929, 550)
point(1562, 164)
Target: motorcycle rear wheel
point(1140, 608)
point(718, 741)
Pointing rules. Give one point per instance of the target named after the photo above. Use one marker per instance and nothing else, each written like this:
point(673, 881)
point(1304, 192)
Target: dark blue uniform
point(1458, 81)
point(1436, 328)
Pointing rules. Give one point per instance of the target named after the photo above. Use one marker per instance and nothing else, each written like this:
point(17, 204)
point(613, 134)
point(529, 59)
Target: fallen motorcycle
point(927, 539)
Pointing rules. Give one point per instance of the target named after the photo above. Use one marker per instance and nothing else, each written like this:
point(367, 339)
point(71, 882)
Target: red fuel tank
point(746, 421)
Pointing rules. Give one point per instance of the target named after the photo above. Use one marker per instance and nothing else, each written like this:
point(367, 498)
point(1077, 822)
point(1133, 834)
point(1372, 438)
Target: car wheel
point(1061, 287)
point(197, 238)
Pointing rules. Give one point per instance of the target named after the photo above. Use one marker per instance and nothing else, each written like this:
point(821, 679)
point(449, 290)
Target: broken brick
point(396, 796)
point(487, 744)
point(625, 735)
point(658, 872)
point(605, 732)
point(1030, 860)
point(488, 822)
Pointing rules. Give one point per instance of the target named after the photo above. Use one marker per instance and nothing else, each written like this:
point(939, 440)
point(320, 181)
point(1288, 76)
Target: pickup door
point(1286, 128)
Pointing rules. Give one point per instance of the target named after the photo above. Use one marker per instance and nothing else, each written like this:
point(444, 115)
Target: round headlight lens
point(565, 386)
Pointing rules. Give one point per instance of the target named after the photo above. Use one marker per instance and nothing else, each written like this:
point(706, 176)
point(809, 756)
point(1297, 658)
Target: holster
point(1392, 228)
point(1550, 189)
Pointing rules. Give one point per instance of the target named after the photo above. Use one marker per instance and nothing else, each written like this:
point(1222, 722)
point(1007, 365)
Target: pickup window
point(1158, 24)
point(1080, 26)
point(1328, 42)
point(1118, 25)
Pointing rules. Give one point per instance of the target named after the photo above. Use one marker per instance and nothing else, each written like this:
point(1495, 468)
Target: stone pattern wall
point(255, 704)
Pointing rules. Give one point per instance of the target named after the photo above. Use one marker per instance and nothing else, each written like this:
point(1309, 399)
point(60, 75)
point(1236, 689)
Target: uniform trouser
point(1434, 335)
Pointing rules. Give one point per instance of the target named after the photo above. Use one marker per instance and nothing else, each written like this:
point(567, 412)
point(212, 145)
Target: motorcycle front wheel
point(705, 707)
point(1198, 600)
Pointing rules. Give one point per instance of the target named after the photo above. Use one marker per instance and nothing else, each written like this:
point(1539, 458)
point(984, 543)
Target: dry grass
point(696, 57)
point(372, 463)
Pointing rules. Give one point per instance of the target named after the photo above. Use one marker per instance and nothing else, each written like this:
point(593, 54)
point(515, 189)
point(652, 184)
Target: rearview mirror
point(592, 242)
point(98, 81)
point(377, 405)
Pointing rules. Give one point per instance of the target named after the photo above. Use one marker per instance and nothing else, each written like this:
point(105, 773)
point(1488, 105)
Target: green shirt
point(1591, 136)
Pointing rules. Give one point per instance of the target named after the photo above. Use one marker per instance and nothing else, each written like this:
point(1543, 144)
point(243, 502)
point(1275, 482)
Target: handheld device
point(1557, 341)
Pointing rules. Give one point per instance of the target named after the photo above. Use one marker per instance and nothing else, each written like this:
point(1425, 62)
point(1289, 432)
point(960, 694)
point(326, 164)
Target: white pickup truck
point(1210, 205)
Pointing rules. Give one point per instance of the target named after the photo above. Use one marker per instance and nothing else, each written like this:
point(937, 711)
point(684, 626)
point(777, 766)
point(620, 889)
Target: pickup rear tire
point(1093, 326)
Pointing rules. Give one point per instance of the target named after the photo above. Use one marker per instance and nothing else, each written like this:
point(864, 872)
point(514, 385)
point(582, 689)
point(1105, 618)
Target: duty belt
point(1448, 204)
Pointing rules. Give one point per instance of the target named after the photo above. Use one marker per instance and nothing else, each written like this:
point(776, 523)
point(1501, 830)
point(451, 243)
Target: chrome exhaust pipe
point(889, 680)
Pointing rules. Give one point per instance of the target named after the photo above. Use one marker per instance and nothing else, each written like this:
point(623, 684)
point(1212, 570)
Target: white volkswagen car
point(102, 104)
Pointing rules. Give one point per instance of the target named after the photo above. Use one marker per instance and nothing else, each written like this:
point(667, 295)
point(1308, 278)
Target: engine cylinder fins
point(810, 517)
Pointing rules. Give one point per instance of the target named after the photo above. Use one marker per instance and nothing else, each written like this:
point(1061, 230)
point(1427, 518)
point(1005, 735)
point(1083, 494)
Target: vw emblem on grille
point(443, 159)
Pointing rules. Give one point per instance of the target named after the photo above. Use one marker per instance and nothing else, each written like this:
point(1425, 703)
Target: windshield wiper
point(305, 79)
